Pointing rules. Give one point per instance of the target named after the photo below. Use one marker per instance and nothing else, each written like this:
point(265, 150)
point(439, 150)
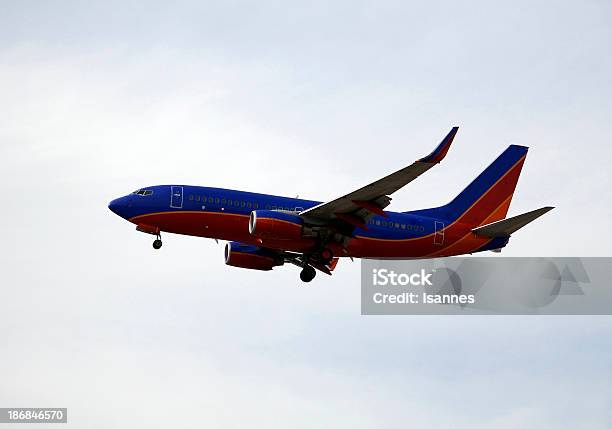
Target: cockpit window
point(143, 192)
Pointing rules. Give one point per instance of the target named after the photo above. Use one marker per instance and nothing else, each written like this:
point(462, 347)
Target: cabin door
point(176, 197)
point(439, 233)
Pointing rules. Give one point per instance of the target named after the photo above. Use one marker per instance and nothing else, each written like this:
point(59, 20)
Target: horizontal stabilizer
point(505, 227)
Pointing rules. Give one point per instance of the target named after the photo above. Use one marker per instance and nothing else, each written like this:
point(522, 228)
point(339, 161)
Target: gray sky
point(311, 99)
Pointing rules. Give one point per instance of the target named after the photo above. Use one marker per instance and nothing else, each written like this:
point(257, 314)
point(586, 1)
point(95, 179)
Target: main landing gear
point(157, 243)
point(307, 274)
point(326, 256)
point(321, 259)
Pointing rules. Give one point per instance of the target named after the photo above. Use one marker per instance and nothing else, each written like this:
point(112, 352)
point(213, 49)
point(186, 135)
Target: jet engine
point(274, 224)
point(252, 257)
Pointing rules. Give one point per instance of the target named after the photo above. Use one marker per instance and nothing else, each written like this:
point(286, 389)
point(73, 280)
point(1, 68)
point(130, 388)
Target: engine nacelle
point(252, 257)
point(275, 224)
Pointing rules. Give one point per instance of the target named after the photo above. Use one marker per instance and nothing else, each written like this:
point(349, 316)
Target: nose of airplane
point(118, 206)
point(114, 206)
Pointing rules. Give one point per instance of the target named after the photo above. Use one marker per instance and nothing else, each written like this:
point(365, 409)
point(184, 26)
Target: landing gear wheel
point(326, 256)
point(157, 244)
point(307, 274)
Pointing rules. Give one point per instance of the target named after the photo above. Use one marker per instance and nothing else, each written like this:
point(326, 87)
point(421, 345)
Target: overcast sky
point(315, 99)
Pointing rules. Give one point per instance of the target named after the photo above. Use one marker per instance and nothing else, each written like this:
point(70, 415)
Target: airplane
point(266, 231)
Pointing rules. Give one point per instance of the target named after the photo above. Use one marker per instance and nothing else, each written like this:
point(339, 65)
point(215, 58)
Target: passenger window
point(197, 198)
point(397, 225)
point(377, 223)
point(217, 200)
point(229, 202)
point(211, 199)
point(242, 204)
point(190, 197)
point(267, 206)
point(223, 201)
point(403, 226)
point(236, 203)
point(249, 205)
point(255, 206)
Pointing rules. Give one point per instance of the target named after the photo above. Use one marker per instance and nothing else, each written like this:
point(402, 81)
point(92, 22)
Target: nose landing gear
point(157, 243)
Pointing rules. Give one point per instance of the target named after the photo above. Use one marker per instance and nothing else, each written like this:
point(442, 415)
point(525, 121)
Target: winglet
point(440, 152)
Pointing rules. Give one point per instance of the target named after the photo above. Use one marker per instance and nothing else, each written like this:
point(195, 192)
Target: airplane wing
point(354, 209)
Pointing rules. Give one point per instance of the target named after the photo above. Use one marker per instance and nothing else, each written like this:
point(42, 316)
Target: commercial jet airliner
point(266, 231)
